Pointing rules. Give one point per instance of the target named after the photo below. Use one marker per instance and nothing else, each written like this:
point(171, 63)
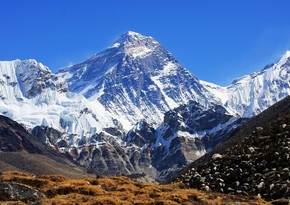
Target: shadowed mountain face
point(14, 138)
point(253, 161)
point(19, 150)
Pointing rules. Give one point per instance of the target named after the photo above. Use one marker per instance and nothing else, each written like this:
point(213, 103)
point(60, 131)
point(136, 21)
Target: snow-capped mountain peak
point(135, 79)
point(133, 33)
point(26, 79)
point(35, 77)
point(284, 58)
point(131, 37)
point(135, 44)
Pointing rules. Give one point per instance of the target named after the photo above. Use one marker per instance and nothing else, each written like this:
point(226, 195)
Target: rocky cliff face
point(159, 152)
point(186, 133)
point(104, 153)
point(33, 78)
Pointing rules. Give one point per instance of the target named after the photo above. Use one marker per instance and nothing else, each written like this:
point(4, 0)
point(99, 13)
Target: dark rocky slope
point(19, 150)
point(259, 164)
point(270, 115)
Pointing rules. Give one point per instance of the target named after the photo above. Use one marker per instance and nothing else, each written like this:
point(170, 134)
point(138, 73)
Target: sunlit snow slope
point(32, 95)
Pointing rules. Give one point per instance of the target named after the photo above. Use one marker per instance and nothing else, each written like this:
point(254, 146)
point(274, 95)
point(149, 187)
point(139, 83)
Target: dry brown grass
point(118, 190)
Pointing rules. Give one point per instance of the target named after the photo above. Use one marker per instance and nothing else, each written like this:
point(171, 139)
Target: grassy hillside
point(117, 190)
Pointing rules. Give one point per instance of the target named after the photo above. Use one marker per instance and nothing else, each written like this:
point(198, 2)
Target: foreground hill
point(118, 190)
point(19, 150)
point(268, 116)
point(254, 163)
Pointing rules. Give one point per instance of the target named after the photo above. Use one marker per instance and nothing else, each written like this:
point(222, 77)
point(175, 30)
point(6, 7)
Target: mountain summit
point(135, 44)
point(134, 79)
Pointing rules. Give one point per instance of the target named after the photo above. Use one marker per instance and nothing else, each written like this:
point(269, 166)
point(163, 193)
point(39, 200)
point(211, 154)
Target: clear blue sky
point(217, 40)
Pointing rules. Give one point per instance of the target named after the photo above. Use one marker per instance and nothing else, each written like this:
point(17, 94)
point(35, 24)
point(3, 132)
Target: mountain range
point(133, 108)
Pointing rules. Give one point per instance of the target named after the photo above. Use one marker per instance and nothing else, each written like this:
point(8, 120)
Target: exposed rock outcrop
point(11, 191)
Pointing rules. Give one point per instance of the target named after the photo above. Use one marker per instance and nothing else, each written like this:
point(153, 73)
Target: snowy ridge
point(251, 94)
